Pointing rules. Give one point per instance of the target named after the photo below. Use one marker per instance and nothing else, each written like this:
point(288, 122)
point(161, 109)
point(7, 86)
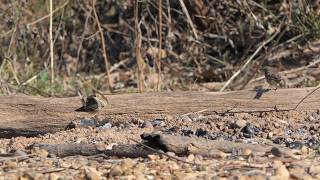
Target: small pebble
point(283, 172)
point(147, 124)
point(195, 116)
point(158, 122)
point(54, 176)
point(88, 123)
point(116, 171)
point(153, 157)
point(171, 153)
point(270, 135)
point(185, 118)
point(92, 173)
point(279, 140)
point(173, 165)
point(217, 154)
point(187, 132)
point(294, 145)
point(250, 130)
point(3, 151)
point(276, 152)
point(10, 165)
point(240, 123)
point(126, 165)
point(247, 152)
point(200, 132)
point(139, 169)
point(42, 153)
point(190, 158)
point(106, 126)
point(314, 169)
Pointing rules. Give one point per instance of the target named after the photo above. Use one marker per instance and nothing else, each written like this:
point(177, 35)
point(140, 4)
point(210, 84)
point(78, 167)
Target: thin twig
point(51, 46)
point(184, 9)
point(17, 158)
point(30, 79)
point(52, 170)
point(169, 17)
point(117, 65)
point(160, 47)
point(92, 35)
point(14, 73)
point(8, 54)
point(305, 97)
point(138, 42)
point(162, 153)
point(104, 48)
point(249, 60)
point(252, 111)
point(203, 110)
point(83, 34)
point(48, 15)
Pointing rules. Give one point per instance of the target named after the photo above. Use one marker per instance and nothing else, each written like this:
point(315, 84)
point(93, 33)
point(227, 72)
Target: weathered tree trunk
point(29, 116)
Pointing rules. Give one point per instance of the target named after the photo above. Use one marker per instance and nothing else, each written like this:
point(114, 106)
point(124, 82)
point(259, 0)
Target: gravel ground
point(295, 130)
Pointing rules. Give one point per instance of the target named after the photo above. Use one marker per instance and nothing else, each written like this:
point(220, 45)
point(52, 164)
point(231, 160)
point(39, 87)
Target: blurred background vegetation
point(203, 43)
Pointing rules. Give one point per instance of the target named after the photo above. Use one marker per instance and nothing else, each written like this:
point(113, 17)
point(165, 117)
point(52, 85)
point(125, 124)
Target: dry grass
point(195, 41)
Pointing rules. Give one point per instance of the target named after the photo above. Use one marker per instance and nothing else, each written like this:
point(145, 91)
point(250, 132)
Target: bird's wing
point(91, 105)
point(103, 98)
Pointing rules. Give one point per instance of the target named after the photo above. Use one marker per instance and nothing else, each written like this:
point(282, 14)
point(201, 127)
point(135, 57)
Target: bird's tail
point(81, 109)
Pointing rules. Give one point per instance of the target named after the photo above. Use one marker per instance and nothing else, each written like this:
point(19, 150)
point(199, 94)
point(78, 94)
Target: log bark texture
point(32, 115)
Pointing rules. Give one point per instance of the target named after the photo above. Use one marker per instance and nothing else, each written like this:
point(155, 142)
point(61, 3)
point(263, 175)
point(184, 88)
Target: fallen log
point(180, 145)
point(184, 145)
point(22, 115)
point(120, 150)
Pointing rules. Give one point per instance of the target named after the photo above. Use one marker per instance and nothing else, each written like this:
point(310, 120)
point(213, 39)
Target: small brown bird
point(93, 103)
point(272, 76)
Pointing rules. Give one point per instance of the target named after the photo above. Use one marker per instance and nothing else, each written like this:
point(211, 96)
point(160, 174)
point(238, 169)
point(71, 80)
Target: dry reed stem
point(14, 73)
point(83, 34)
point(8, 54)
point(104, 48)
point(51, 46)
point(48, 15)
point(160, 47)
point(169, 17)
point(249, 60)
point(139, 58)
point(184, 9)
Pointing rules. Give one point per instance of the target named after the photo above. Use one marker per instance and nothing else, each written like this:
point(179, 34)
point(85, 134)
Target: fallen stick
point(121, 150)
point(180, 145)
point(183, 145)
